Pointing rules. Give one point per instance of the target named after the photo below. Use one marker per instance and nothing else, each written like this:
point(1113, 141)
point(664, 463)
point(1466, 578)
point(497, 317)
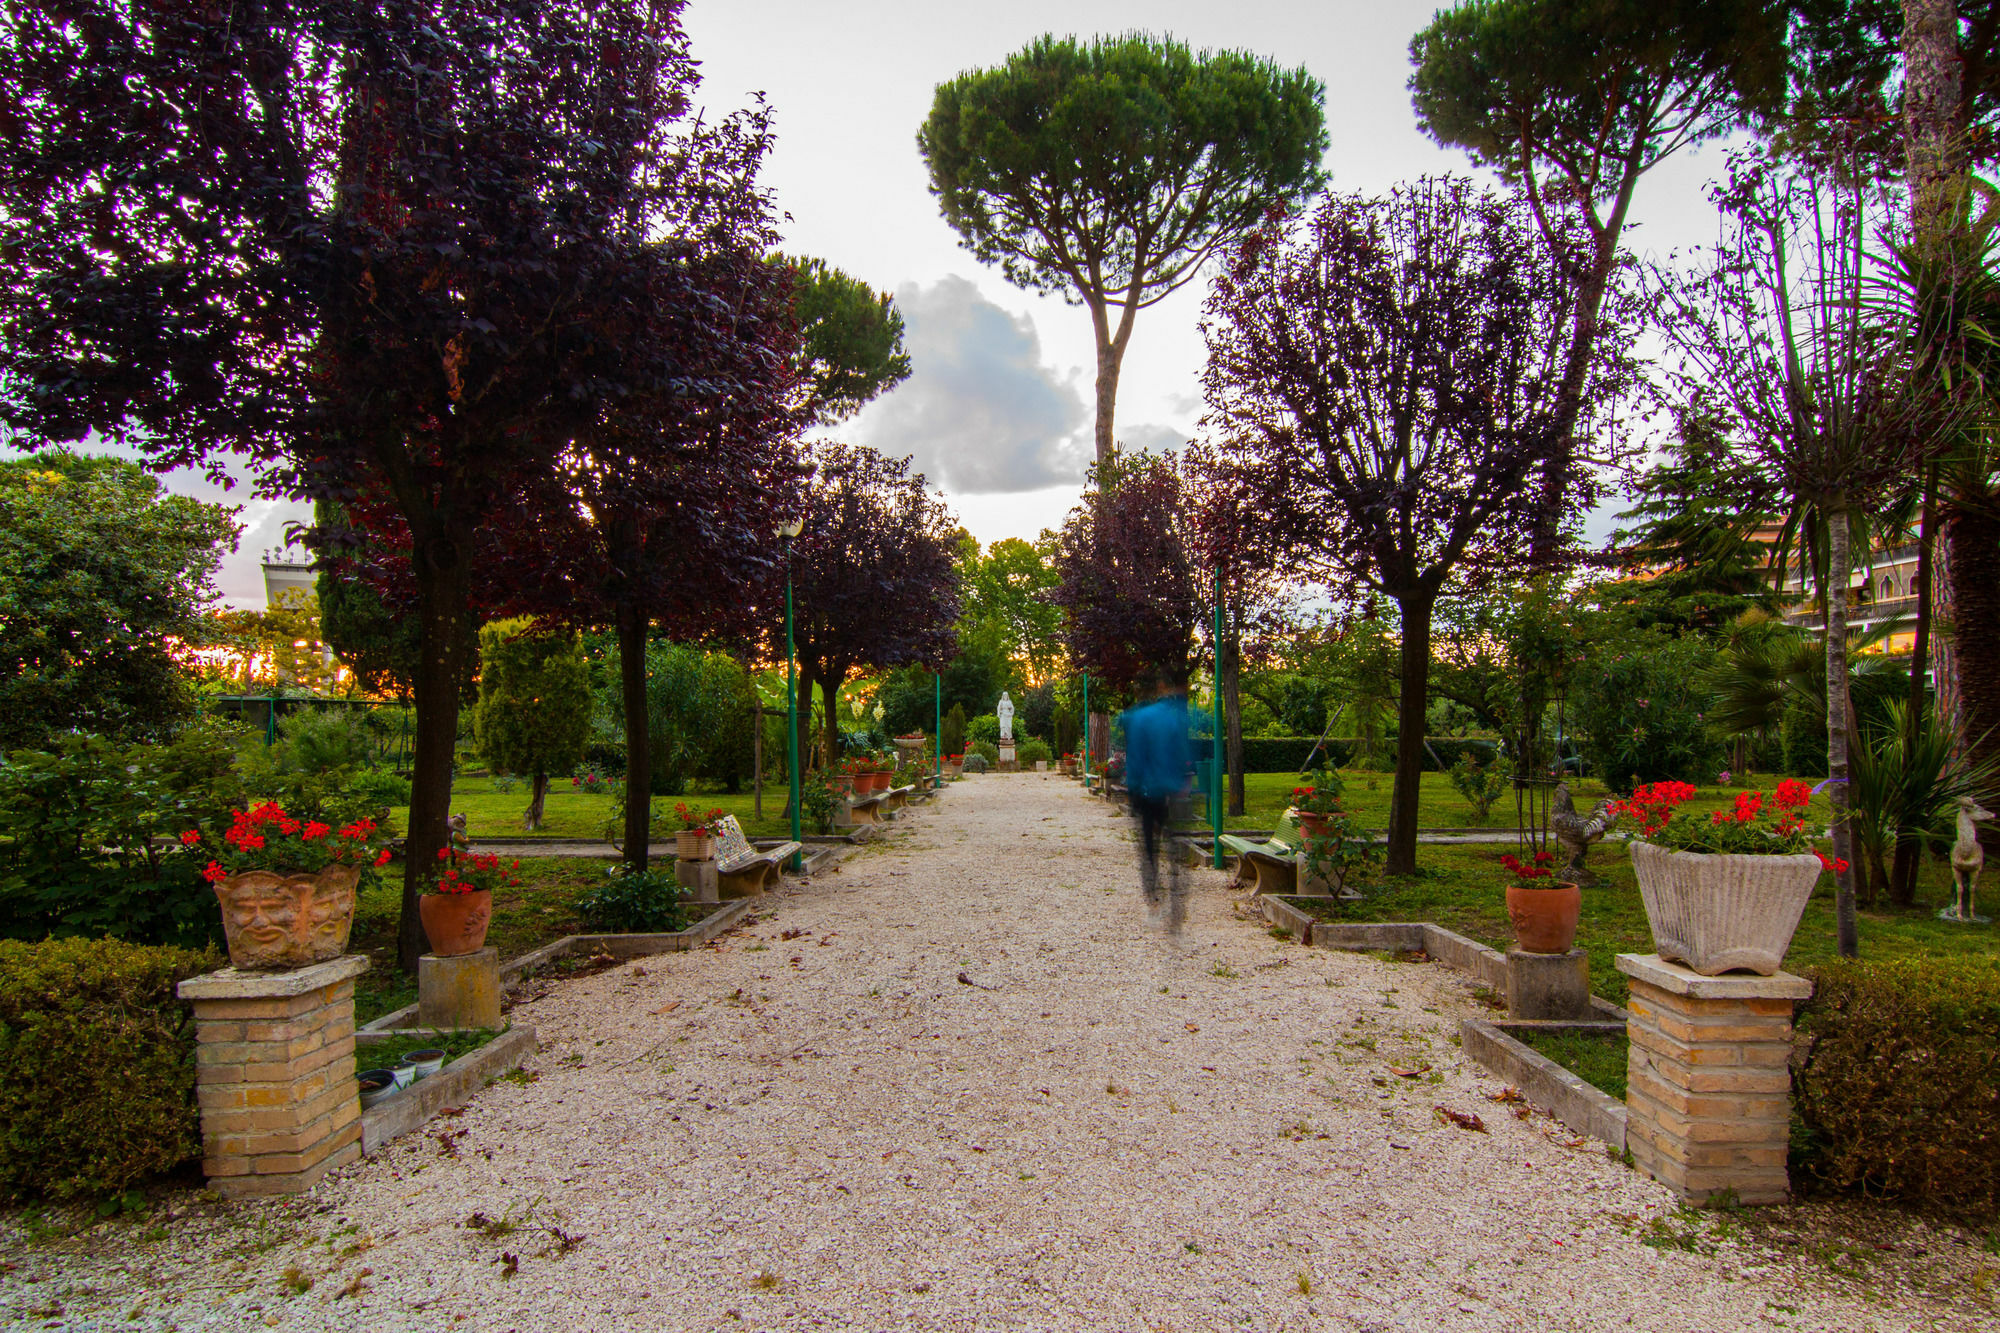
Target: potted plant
point(1316, 801)
point(695, 839)
point(286, 885)
point(1544, 910)
point(1726, 890)
point(457, 906)
point(1336, 851)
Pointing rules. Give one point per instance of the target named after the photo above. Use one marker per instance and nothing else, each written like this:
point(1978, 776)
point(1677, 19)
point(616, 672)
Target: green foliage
point(698, 707)
point(89, 837)
point(321, 767)
point(1290, 754)
point(1134, 151)
point(1897, 790)
point(634, 902)
point(953, 739)
point(1802, 736)
point(99, 568)
point(96, 1065)
point(1007, 607)
point(1480, 786)
point(984, 729)
point(852, 338)
point(1641, 714)
point(378, 645)
point(1341, 851)
point(1029, 751)
point(534, 699)
point(819, 797)
point(1897, 1080)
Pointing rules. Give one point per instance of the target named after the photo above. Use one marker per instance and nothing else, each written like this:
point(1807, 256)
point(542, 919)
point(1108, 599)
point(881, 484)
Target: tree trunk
point(443, 586)
point(1974, 572)
point(829, 692)
point(1838, 708)
point(1933, 113)
point(1411, 703)
point(1110, 361)
point(803, 700)
point(1232, 717)
point(538, 796)
point(1909, 846)
point(632, 627)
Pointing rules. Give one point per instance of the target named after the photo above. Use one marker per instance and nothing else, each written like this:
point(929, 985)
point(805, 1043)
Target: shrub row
point(96, 1065)
point(1288, 754)
point(1896, 1081)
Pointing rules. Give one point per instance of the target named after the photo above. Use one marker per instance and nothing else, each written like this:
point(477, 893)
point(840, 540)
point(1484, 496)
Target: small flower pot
point(455, 923)
point(405, 1075)
point(376, 1084)
point(274, 921)
point(1720, 912)
point(425, 1062)
point(1544, 918)
point(694, 846)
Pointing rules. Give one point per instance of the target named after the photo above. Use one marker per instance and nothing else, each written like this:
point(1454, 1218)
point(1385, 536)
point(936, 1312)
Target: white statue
point(1006, 711)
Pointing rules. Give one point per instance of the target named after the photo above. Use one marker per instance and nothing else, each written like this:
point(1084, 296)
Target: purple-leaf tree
point(1385, 380)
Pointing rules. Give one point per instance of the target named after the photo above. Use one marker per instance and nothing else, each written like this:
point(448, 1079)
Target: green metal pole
point(937, 699)
point(1215, 771)
point(792, 710)
point(1086, 731)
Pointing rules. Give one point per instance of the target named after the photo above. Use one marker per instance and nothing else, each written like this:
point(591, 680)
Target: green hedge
point(1896, 1081)
point(1287, 754)
point(96, 1065)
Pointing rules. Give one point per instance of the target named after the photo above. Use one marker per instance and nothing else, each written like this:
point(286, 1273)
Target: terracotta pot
point(879, 781)
point(1544, 918)
point(1312, 825)
point(285, 921)
point(1720, 912)
point(845, 782)
point(455, 923)
point(690, 846)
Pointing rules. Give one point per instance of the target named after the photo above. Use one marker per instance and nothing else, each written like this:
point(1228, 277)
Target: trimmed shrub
point(634, 902)
point(1029, 751)
point(1896, 1081)
point(96, 1065)
point(1288, 754)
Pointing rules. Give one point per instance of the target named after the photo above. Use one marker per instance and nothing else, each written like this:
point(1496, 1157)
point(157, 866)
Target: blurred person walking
point(1157, 772)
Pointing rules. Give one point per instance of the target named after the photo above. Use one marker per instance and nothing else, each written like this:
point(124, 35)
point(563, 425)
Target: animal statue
point(1577, 832)
point(1967, 860)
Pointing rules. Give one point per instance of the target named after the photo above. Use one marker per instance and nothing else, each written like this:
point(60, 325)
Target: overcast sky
point(997, 412)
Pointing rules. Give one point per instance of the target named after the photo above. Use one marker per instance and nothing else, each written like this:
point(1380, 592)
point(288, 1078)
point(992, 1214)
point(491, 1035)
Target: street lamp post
point(787, 530)
point(1215, 731)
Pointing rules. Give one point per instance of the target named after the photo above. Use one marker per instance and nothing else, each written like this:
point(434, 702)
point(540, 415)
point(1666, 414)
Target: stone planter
point(1544, 918)
point(280, 921)
point(1721, 912)
point(693, 846)
point(455, 923)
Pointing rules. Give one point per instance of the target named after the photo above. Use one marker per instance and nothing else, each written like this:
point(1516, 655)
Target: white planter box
point(1720, 912)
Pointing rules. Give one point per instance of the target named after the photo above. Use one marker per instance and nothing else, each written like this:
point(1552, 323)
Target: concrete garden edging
point(1489, 1043)
point(450, 1087)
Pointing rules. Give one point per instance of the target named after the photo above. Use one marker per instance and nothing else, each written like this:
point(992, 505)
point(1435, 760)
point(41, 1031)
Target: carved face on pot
point(287, 920)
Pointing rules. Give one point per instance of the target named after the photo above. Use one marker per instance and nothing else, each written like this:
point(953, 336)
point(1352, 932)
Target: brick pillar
point(275, 1075)
point(1708, 1088)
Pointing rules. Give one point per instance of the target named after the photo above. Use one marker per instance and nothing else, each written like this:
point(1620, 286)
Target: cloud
point(981, 412)
point(1152, 437)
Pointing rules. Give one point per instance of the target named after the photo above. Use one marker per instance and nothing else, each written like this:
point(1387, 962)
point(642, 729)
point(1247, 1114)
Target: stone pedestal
point(462, 991)
point(1708, 1097)
point(1548, 986)
point(1007, 764)
point(274, 1075)
point(701, 878)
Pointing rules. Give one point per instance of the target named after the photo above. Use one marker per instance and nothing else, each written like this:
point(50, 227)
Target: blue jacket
point(1156, 748)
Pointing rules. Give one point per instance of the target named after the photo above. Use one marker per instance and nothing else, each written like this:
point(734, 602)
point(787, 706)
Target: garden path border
point(450, 1087)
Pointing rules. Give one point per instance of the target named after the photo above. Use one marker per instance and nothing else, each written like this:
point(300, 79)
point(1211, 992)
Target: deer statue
point(1967, 860)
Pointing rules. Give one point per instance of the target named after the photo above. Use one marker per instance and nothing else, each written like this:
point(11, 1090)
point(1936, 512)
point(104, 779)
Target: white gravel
point(1109, 1129)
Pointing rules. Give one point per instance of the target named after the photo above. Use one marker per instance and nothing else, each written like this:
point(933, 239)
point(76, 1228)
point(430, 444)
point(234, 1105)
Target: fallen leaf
point(1463, 1119)
point(1192, 1028)
point(1505, 1095)
point(1400, 1072)
point(668, 1007)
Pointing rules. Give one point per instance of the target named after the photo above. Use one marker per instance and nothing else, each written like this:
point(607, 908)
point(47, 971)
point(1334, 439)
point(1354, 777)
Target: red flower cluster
point(691, 822)
point(264, 837)
point(470, 872)
point(1652, 804)
point(1833, 865)
point(1524, 872)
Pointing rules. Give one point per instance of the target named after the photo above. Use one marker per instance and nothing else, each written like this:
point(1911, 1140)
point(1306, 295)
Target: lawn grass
point(568, 812)
point(542, 909)
point(1366, 796)
point(1462, 888)
point(1598, 1061)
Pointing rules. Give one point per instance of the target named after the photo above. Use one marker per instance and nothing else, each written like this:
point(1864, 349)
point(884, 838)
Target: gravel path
point(965, 1083)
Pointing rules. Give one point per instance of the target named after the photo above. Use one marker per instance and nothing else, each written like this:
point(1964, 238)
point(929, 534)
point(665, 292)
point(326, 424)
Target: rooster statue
point(1577, 832)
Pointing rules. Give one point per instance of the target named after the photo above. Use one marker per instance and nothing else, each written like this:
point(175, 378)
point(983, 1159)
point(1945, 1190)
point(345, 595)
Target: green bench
point(1271, 866)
